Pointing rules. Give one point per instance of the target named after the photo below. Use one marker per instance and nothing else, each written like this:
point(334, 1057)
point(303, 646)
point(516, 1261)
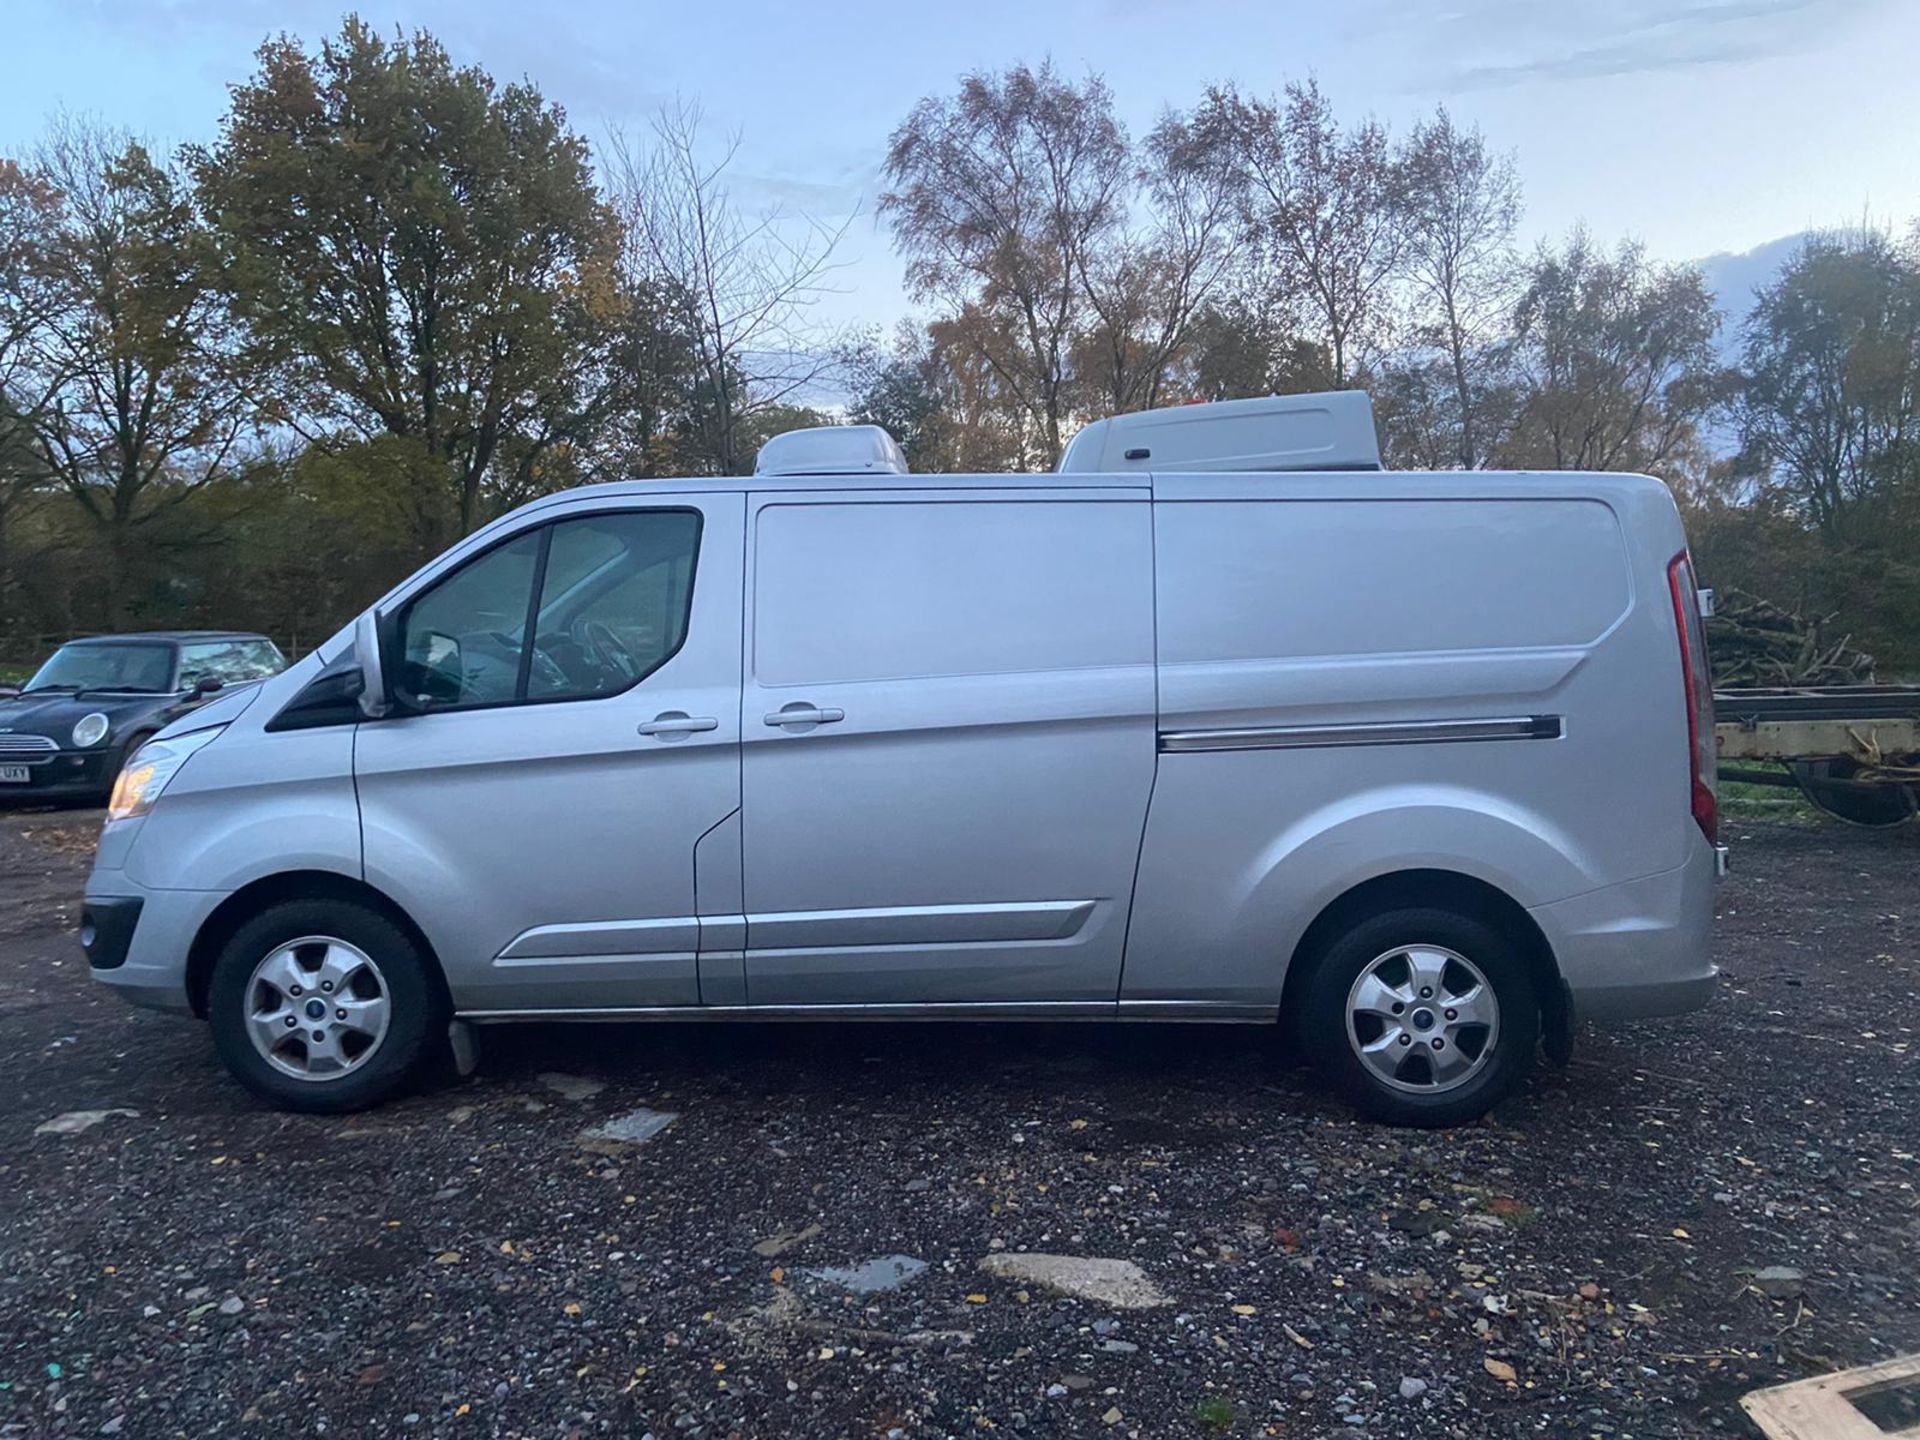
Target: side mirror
point(208, 684)
point(374, 701)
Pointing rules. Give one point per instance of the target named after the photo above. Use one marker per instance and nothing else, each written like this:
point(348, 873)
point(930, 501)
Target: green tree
point(414, 253)
point(1829, 407)
point(29, 225)
point(140, 402)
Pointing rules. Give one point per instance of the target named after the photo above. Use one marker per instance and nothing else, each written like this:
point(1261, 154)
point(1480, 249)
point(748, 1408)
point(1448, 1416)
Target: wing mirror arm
point(374, 699)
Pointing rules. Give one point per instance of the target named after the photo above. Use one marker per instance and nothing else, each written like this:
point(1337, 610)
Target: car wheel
point(324, 1006)
point(1423, 1017)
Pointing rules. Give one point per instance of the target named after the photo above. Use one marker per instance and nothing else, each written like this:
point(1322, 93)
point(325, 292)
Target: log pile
point(1753, 642)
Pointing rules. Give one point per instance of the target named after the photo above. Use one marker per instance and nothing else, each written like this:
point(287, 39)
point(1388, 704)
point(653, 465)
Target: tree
point(1000, 199)
point(131, 355)
point(1146, 288)
point(1460, 204)
point(1615, 358)
point(1827, 408)
point(740, 289)
point(1323, 205)
point(30, 219)
point(414, 252)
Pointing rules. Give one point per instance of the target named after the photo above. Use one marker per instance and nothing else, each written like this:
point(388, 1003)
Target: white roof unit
point(1333, 431)
point(832, 450)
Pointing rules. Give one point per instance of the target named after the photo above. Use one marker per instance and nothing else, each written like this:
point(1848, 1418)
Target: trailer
point(1853, 750)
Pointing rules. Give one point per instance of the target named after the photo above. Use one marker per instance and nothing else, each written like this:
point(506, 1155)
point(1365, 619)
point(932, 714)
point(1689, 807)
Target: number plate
point(15, 774)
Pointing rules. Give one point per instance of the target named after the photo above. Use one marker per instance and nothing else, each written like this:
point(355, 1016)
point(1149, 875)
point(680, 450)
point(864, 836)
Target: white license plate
point(15, 774)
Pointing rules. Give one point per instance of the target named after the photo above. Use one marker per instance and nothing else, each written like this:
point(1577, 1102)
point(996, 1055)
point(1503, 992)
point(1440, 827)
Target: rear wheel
point(1834, 788)
point(324, 1006)
point(1423, 1016)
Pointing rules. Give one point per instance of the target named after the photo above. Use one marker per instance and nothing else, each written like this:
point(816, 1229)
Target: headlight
point(90, 730)
point(147, 774)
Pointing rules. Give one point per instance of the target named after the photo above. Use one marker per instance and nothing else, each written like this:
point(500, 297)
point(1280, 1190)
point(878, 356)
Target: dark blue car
point(96, 701)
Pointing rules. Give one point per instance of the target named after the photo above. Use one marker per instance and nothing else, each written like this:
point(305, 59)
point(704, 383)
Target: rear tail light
point(1702, 760)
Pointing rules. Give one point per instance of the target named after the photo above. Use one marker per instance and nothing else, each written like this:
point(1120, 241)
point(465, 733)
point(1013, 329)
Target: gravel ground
point(1591, 1261)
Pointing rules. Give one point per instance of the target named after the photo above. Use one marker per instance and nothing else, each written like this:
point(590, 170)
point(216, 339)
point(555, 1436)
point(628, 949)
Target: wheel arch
point(1439, 889)
point(269, 890)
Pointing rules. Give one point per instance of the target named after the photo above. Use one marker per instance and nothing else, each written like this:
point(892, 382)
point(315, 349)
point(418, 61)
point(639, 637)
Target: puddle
point(870, 1277)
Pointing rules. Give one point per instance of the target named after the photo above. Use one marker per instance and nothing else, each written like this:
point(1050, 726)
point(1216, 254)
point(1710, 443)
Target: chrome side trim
point(903, 926)
point(603, 940)
point(1391, 732)
point(1166, 1010)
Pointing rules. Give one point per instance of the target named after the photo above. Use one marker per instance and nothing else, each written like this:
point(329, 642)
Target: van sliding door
point(947, 741)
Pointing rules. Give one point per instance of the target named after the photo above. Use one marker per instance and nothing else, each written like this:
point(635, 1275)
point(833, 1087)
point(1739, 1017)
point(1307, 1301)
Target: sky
point(1703, 127)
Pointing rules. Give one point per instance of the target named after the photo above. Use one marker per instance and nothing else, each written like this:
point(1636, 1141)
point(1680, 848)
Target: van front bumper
point(1641, 949)
point(136, 939)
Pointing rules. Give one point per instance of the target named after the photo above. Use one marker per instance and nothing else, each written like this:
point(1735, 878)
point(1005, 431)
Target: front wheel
point(1423, 1017)
point(324, 1006)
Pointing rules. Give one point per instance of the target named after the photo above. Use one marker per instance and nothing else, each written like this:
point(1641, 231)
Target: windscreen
point(141, 667)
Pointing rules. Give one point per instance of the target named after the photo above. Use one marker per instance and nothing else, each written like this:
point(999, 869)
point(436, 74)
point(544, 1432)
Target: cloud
point(1514, 42)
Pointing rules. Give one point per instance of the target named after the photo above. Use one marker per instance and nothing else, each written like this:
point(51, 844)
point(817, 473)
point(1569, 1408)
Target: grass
point(1740, 801)
point(1216, 1413)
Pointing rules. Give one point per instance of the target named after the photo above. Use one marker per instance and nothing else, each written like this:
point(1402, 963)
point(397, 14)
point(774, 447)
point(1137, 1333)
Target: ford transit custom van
point(1219, 722)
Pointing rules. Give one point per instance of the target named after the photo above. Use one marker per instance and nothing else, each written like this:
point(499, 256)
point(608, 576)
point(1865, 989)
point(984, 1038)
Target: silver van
point(1220, 722)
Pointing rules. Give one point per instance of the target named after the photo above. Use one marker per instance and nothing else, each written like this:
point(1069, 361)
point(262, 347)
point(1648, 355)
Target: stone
point(232, 1305)
point(571, 1087)
point(1780, 1282)
point(75, 1121)
point(786, 1240)
point(1119, 1284)
point(870, 1277)
point(1119, 1347)
point(1412, 1387)
point(623, 1132)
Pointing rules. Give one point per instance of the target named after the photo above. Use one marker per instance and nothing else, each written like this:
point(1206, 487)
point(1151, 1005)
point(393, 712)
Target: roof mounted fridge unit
point(1332, 431)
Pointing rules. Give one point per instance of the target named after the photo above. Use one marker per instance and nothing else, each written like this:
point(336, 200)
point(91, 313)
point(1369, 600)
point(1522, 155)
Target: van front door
point(947, 744)
point(574, 733)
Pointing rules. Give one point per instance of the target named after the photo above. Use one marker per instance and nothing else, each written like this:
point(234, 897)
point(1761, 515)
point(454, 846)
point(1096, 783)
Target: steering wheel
point(605, 648)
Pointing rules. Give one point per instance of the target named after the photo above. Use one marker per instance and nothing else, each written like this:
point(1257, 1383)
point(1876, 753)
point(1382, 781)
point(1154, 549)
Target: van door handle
point(677, 724)
point(801, 713)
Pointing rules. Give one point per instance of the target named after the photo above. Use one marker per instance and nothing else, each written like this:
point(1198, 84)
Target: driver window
point(614, 594)
point(461, 641)
point(614, 601)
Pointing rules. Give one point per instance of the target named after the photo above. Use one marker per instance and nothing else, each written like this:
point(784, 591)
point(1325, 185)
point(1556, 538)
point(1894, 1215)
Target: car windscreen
point(132, 666)
point(228, 661)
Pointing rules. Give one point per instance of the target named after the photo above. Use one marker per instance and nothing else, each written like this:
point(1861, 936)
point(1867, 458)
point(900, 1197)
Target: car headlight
point(146, 775)
point(90, 730)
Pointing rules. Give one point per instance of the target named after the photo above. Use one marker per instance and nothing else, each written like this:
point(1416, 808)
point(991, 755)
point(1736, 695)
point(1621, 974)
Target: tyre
point(1423, 1017)
point(325, 1006)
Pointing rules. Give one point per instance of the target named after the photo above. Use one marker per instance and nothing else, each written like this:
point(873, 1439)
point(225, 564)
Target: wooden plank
point(1822, 1408)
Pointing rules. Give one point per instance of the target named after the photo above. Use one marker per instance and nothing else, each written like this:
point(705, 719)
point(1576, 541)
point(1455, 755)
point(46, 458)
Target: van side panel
point(963, 823)
point(1365, 675)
